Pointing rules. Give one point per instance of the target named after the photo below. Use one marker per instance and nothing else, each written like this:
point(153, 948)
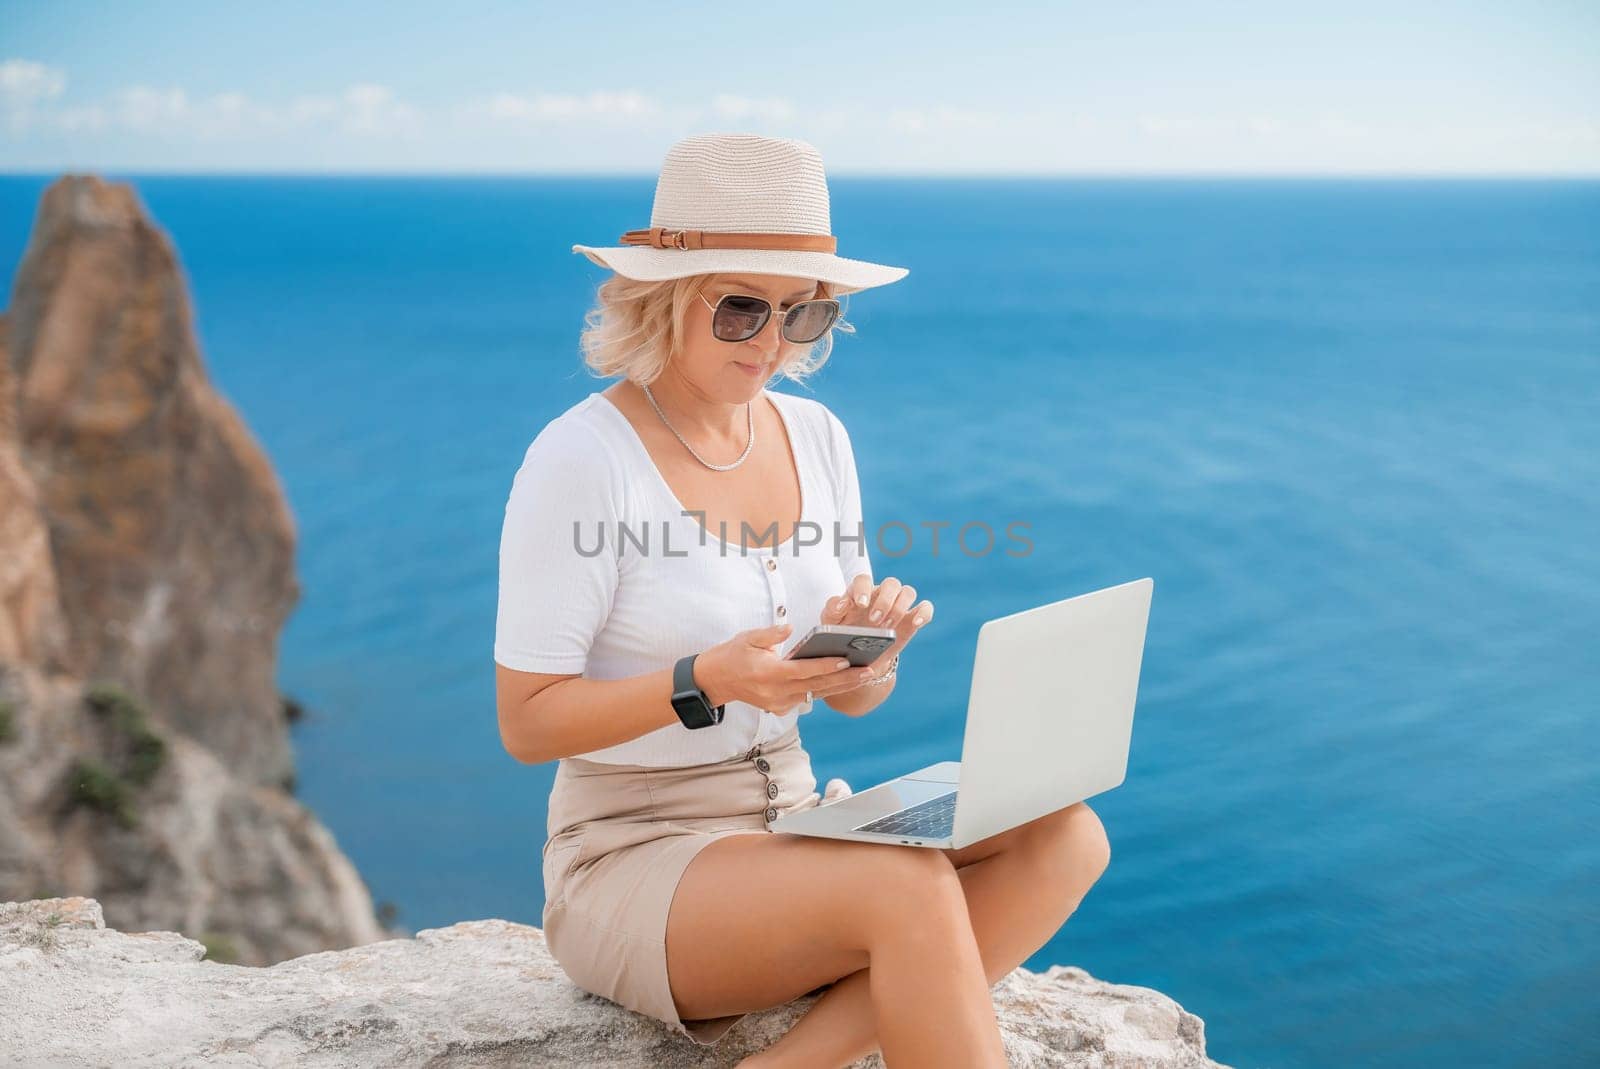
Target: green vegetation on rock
point(145, 750)
point(220, 947)
point(136, 754)
point(96, 787)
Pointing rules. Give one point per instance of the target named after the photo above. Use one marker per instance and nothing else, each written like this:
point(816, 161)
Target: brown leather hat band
point(661, 237)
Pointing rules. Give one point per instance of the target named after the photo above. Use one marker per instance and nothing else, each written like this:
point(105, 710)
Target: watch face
point(693, 710)
point(688, 700)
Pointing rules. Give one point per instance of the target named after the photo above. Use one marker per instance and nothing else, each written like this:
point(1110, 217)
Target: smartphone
point(858, 645)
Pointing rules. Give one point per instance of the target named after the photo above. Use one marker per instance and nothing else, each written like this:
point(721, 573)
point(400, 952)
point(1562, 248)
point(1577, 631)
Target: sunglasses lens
point(810, 320)
point(739, 318)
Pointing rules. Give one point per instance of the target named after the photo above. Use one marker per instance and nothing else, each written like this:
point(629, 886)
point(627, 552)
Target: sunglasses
point(738, 317)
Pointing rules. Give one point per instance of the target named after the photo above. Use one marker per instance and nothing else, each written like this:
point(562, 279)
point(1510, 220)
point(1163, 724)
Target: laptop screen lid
point(1050, 712)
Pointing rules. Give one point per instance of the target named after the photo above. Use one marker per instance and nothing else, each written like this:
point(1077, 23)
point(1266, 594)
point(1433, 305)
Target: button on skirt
point(621, 837)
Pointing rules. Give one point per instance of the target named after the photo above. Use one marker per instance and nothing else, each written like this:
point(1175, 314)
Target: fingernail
point(862, 600)
point(874, 615)
point(917, 621)
point(842, 665)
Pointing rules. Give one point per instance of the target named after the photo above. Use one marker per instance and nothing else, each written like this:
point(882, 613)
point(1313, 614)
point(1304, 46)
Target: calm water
point(1352, 429)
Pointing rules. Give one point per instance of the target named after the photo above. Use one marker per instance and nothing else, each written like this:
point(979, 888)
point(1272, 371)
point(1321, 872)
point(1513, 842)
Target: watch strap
point(694, 709)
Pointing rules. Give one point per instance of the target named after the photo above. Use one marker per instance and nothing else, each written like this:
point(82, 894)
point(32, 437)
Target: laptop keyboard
point(933, 819)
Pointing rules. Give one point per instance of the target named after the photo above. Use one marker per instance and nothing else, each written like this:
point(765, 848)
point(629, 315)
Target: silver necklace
point(750, 421)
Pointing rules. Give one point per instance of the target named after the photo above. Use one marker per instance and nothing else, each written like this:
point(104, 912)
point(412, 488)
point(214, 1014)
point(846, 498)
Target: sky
point(1283, 87)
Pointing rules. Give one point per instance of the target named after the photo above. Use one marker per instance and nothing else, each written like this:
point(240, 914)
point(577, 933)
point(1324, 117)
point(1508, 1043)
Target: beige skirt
point(621, 836)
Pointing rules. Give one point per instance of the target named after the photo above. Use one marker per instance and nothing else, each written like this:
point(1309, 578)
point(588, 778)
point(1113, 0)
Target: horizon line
point(845, 175)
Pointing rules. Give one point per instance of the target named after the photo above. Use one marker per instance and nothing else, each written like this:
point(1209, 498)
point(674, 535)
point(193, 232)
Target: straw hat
point(731, 203)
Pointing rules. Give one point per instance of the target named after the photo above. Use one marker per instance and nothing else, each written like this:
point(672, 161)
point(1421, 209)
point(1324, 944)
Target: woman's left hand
point(894, 603)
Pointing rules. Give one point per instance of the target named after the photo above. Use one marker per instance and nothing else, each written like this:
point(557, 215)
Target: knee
point(1072, 843)
point(913, 874)
point(904, 885)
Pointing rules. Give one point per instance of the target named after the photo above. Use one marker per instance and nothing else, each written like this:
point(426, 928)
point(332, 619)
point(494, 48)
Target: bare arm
point(545, 717)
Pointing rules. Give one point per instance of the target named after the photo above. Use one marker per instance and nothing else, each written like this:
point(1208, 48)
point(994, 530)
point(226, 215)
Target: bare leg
point(1020, 887)
point(759, 920)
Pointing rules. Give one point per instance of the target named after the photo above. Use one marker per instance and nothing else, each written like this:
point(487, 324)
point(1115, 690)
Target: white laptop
point(1049, 722)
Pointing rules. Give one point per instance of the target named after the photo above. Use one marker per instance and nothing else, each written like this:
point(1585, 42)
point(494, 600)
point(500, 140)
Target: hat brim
point(658, 265)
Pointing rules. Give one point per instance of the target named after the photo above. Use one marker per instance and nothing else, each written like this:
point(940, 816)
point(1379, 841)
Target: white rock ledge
point(480, 993)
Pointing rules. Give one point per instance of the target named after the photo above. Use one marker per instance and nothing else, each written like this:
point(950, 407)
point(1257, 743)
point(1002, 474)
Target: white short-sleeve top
point(604, 573)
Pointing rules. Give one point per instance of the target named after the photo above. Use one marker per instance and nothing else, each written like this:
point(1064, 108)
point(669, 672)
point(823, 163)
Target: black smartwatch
point(689, 701)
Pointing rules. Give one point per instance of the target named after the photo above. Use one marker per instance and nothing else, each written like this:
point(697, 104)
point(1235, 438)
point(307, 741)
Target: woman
point(666, 541)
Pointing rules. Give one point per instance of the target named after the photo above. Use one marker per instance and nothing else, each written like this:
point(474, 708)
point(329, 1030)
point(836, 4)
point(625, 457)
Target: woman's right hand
point(747, 668)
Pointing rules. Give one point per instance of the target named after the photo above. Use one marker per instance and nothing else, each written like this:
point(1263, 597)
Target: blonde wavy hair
point(636, 328)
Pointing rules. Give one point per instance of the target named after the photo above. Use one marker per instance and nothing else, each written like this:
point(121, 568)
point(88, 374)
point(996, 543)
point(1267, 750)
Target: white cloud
point(1197, 126)
point(563, 107)
point(24, 85)
point(310, 109)
point(922, 120)
point(91, 118)
point(374, 109)
point(366, 109)
point(24, 81)
point(144, 108)
point(169, 121)
point(172, 112)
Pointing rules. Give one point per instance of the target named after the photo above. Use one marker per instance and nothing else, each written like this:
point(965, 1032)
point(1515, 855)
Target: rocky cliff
point(146, 568)
point(171, 539)
point(481, 993)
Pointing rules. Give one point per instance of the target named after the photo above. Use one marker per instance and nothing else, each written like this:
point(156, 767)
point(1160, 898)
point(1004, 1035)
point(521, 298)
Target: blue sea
point(1350, 427)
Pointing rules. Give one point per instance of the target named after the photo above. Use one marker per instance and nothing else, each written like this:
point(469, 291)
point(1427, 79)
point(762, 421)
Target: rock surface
point(32, 628)
point(480, 993)
point(144, 542)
